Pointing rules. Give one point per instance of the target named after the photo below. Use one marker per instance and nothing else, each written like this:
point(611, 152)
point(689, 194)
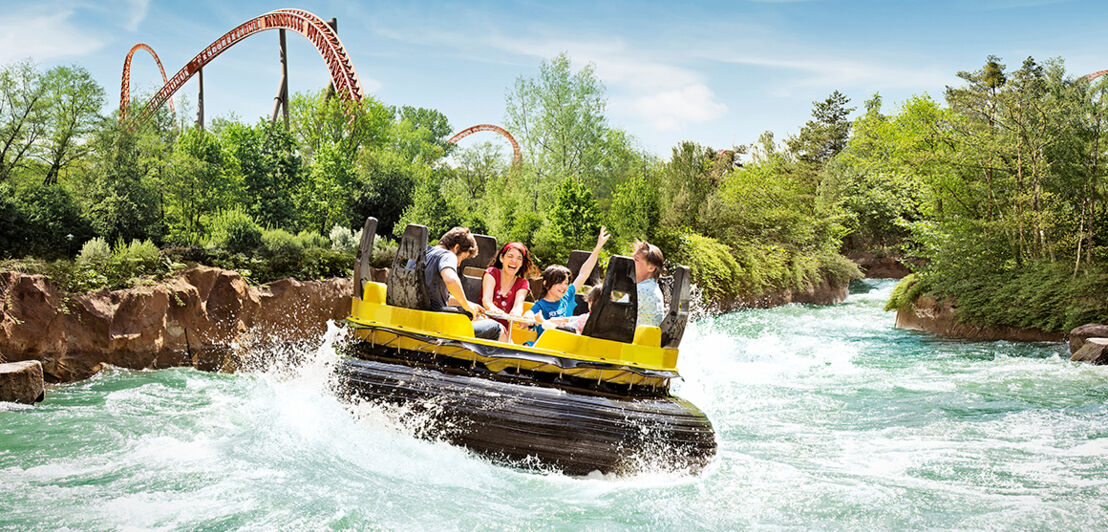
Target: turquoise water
point(827, 418)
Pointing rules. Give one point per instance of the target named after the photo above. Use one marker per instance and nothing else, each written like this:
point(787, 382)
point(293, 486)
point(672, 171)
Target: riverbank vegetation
point(998, 191)
point(1001, 191)
point(93, 202)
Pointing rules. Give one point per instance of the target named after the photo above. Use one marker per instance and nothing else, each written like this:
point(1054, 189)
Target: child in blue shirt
point(559, 296)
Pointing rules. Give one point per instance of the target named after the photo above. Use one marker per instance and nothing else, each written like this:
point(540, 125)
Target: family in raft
point(504, 286)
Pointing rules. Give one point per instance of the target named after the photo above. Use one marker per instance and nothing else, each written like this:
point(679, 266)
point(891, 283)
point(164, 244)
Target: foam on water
point(827, 417)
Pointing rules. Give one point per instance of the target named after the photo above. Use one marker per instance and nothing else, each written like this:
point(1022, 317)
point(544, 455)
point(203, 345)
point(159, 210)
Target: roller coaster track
point(326, 41)
point(517, 157)
point(125, 86)
point(1095, 75)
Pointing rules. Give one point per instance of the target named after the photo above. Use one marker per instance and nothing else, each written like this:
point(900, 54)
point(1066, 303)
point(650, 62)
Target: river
point(827, 418)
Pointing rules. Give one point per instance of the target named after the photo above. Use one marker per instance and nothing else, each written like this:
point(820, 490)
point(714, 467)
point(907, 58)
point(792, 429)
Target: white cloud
point(137, 13)
point(43, 38)
point(669, 110)
point(662, 94)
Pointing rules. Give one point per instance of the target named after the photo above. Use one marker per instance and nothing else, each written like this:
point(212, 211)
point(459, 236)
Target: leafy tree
point(198, 184)
point(318, 120)
point(574, 221)
point(322, 200)
point(559, 121)
point(74, 100)
point(430, 119)
point(476, 166)
point(826, 134)
point(687, 180)
point(384, 188)
point(125, 195)
point(270, 169)
point(23, 107)
point(430, 207)
point(636, 210)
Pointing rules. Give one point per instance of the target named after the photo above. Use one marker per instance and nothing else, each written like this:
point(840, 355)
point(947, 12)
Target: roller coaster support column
point(281, 102)
point(200, 99)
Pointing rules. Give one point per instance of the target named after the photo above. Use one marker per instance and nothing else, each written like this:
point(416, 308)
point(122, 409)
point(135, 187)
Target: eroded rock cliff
point(196, 318)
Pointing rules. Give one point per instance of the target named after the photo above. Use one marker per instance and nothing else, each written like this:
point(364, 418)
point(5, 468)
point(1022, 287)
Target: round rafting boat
point(598, 401)
point(533, 425)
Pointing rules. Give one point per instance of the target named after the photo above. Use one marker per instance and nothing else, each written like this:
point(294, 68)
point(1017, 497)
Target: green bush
point(280, 243)
point(321, 263)
point(138, 259)
point(712, 265)
point(50, 222)
point(95, 251)
point(906, 292)
point(384, 250)
point(839, 269)
point(236, 232)
point(343, 239)
point(309, 239)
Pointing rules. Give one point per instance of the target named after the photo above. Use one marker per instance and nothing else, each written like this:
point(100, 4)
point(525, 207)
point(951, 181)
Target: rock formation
point(939, 317)
point(1094, 351)
point(875, 267)
point(825, 293)
point(1090, 330)
point(21, 382)
point(195, 318)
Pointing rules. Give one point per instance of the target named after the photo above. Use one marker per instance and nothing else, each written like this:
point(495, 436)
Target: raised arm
point(590, 263)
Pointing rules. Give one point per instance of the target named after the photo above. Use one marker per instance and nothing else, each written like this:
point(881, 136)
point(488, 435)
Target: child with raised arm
point(559, 295)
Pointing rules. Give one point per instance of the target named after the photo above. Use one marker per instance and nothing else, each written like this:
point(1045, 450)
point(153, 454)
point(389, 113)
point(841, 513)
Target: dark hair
point(652, 254)
point(461, 237)
point(526, 269)
point(594, 294)
point(552, 275)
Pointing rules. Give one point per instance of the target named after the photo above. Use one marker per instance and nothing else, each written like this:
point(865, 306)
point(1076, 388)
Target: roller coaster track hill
point(326, 41)
point(517, 157)
point(125, 85)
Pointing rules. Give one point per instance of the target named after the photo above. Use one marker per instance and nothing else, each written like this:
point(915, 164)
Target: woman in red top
point(504, 285)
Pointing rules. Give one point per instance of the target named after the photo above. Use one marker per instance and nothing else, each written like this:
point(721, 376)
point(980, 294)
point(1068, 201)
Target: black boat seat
point(406, 287)
point(615, 320)
point(364, 253)
point(677, 305)
point(577, 259)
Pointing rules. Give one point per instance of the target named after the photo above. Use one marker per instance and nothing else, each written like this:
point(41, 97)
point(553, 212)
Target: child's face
point(557, 291)
point(512, 260)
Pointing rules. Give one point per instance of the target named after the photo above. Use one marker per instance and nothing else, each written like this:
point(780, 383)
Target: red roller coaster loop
point(1095, 75)
point(125, 86)
point(517, 157)
point(326, 41)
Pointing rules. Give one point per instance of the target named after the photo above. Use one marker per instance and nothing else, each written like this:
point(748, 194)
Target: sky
point(716, 73)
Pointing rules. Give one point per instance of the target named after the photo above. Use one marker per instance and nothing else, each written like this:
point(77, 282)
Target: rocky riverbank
point(883, 267)
point(202, 317)
point(824, 293)
point(940, 317)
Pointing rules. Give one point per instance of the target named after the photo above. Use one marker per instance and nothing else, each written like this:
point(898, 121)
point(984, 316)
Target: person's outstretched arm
point(586, 268)
point(457, 294)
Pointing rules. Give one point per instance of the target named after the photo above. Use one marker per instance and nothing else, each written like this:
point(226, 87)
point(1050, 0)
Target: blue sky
point(718, 73)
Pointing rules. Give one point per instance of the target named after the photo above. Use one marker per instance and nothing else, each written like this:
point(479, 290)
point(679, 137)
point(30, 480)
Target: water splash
point(827, 417)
